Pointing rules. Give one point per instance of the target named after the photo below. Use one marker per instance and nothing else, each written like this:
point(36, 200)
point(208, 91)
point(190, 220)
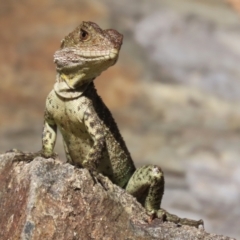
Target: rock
point(48, 199)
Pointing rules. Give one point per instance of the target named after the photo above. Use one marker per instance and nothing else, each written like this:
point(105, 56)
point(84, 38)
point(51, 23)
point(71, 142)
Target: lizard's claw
point(166, 216)
point(29, 156)
point(25, 157)
point(14, 150)
point(190, 222)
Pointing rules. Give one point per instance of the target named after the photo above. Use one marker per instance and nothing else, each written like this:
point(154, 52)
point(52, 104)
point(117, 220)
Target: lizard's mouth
point(99, 55)
point(69, 58)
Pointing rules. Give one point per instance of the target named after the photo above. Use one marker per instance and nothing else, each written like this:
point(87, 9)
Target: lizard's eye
point(83, 35)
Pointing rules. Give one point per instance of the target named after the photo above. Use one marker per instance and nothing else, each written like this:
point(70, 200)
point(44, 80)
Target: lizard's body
point(90, 134)
point(84, 119)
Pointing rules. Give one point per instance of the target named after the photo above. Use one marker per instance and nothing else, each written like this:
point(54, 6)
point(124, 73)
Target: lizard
point(90, 134)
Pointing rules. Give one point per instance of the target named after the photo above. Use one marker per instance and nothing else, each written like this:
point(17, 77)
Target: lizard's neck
point(66, 85)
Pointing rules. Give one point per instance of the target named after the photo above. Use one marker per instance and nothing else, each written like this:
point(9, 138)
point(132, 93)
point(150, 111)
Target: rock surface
point(48, 199)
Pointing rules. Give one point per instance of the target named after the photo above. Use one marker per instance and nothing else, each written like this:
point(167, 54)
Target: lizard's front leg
point(147, 185)
point(49, 136)
point(48, 142)
point(96, 131)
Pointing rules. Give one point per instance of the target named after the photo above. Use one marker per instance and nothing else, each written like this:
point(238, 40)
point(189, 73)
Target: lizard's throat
point(70, 86)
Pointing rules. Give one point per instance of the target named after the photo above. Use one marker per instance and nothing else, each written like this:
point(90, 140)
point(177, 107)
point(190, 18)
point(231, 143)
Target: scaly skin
point(90, 135)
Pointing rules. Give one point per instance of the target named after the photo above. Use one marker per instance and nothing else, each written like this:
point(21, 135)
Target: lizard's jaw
point(71, 57)
point(76, 67)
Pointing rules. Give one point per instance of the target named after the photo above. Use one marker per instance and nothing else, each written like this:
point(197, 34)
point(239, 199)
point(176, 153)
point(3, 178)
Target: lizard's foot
point(19, 155)
point(166, 216)
point(14, 150)
point(190, 222)
point(24, 156)
point(28, 156)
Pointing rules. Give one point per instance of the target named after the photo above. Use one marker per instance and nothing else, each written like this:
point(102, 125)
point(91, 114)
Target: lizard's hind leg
point(147, 185)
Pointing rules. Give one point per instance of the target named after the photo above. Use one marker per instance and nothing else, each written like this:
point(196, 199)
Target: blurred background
point(175, 91)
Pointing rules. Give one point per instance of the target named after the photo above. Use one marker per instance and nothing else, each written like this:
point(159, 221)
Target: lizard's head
point(86, 52)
